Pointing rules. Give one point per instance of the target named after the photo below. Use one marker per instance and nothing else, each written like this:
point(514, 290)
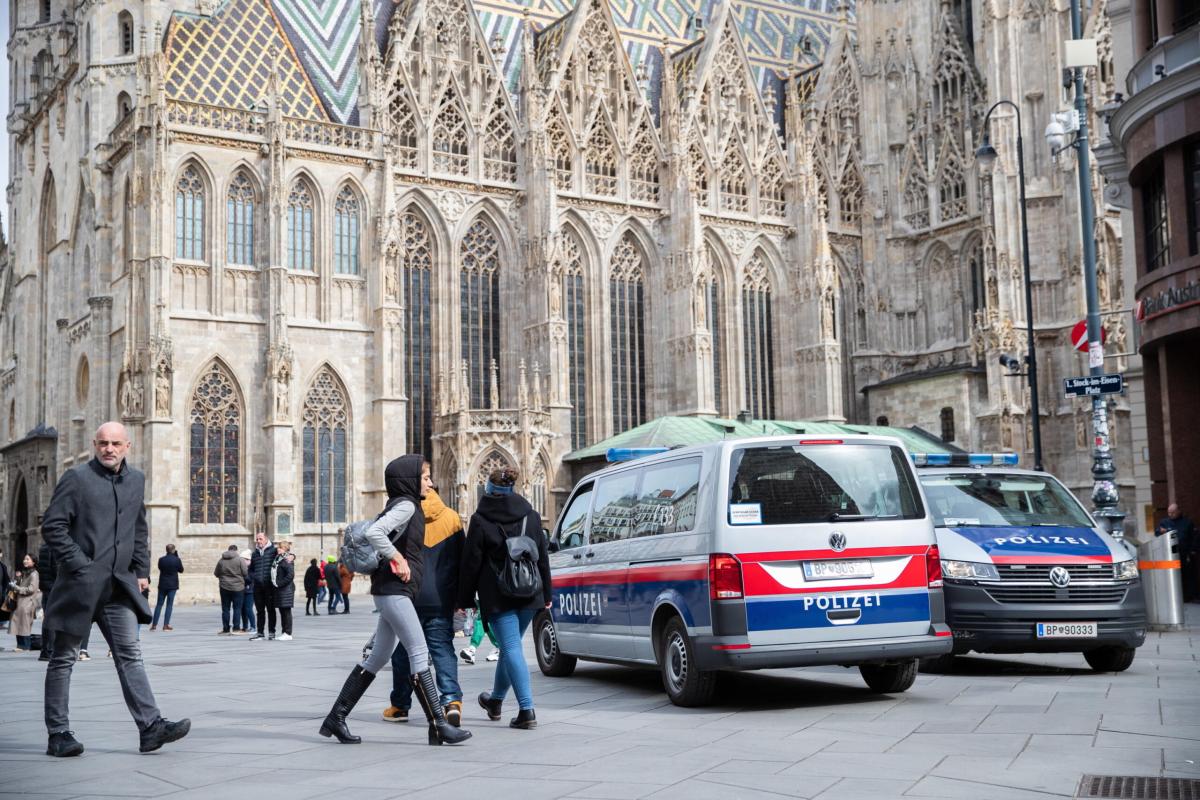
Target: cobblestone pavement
point(994, 728)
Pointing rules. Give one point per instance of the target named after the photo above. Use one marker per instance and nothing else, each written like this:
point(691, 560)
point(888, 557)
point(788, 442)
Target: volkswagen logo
point(837, 541)
point(1060, 577)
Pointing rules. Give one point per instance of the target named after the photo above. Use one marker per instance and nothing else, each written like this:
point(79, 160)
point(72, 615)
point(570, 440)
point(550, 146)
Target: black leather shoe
point(525, 720)
point(492, 707)
point(63, 745)
point(164, 732)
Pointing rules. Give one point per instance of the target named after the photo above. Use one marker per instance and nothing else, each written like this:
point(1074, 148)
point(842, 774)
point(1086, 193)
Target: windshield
point(1002, 500)
point(787, 484)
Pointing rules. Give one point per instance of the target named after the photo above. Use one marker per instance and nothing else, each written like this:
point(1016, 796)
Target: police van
point(747, 554)
point(1026, 568)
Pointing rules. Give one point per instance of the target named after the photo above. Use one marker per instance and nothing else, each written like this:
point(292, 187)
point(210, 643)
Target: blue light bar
point(965, 459)
point(616, 454)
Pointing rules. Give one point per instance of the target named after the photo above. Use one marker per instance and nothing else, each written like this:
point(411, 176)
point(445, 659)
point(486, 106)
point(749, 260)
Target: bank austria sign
point(1167, 300)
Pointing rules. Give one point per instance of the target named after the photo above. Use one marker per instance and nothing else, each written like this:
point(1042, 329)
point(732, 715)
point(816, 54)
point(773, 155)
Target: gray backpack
point(357, 553)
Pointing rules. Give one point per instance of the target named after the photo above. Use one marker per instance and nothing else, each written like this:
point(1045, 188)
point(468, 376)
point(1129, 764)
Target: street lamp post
point(986, 156)
point(1105, 498)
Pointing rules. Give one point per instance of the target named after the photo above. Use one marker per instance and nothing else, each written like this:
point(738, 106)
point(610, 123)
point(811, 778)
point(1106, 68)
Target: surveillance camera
point(1009, 363)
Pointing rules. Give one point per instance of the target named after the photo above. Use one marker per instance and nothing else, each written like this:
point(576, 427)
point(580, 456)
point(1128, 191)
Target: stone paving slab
point(996, 728)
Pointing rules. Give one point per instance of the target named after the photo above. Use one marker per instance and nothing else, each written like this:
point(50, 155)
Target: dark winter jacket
point(169, 567)
point(402, 479)
point(260, 566)
point(47, 569)
point(285, 581)
point(497, 517)
point(441, 559)
point(230, 571)
point(312, 581)
point(96, 527)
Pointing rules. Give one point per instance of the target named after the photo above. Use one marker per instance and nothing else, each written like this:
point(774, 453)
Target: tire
point(553, 662)
point(889, 678)
point(685, 684)
point(1115, 658)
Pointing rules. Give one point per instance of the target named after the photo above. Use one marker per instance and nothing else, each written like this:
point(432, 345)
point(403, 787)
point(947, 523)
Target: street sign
point(1079, 336)
point(1094, 384)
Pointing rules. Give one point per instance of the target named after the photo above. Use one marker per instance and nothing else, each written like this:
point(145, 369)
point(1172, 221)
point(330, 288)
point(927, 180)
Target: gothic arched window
point(189, 215)
point(345, 232)
point(772, 200)
point(537, 488)
point(947, 420)
point(643, 167)
point(627, 275)
point(451, 146)
point(575, 313)
point(325, 442)
point(239, 221)
point(215, 448)
point(480, 308)
point(734, 195)
point(125, 32)
point(499, 145)
point(493, 461)
point(600, 161)
point(712, 299)
point(952, 189)
point(416, 283)
point(300, 233)
point(978, 281)
point(915, 201)
point(701, 174)
point(850, 197)
point(404, 129)
point(758, 338)
point(560, 153)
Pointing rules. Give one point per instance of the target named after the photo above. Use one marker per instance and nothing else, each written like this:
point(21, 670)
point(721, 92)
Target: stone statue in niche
point(700, 304)
point(260, 515)
point(162, 393)
point(555, 290)
point(283, 379)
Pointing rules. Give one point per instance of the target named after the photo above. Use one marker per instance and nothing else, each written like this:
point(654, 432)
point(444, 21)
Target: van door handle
point(577, 556)
point(591, 554)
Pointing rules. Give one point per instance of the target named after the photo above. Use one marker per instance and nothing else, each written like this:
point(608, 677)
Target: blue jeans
point(508, 627)
point(334, 597)
point(169, 597)
point(229, 599)
point(439, 638)
point(247, 610)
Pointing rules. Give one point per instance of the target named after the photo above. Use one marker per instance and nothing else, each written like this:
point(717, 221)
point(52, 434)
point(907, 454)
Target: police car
point(747, 554)
point(1026, 568)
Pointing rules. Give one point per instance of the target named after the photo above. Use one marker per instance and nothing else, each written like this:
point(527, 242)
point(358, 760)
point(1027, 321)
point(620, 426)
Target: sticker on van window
point(952, 521)
point(745, 513)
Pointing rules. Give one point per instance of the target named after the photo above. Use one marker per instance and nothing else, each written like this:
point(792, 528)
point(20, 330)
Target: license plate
point(1066, 630)
point(833, 570)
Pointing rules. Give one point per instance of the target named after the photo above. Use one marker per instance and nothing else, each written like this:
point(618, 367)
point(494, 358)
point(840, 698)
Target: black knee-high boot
point(440, 731)
point(352, 692)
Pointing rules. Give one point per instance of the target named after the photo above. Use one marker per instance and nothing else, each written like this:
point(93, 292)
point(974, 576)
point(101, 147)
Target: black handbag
point(10, 602)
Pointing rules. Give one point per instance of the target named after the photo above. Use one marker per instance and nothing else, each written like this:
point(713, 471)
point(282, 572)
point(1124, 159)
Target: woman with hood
point(397, 535)
point(503, 513)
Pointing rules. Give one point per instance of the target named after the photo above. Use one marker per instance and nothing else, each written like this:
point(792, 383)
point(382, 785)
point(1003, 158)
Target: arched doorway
point(19, 538)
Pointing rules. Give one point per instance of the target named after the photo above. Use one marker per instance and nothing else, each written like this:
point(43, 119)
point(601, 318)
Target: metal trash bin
point(1158, 561)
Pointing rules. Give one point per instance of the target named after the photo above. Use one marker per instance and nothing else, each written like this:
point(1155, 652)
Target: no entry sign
point(1079, 336)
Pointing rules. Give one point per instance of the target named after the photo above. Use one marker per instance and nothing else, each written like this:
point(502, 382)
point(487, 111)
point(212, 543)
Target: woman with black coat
point(503, 513)
point(283, 578)
point(312, 585)
point(398, 536)
point(169, 567)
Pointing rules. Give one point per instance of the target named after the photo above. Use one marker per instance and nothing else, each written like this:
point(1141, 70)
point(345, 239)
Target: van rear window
point(788, 484)
point(974, 498)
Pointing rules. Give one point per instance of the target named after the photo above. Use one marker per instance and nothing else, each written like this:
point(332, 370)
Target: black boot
point(440, 731)
point(492, 707)
point(352, 692)
point(525, 720)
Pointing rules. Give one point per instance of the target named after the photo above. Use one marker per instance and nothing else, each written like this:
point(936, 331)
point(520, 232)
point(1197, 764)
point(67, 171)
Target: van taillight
point(933, 567)
point(724, 577)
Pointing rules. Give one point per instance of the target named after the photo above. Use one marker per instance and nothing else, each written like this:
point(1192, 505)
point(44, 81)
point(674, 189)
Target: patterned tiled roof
point(320, 65)
point(226, 60)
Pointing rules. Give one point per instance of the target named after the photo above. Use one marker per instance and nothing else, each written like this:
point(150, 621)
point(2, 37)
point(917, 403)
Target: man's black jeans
point(264, 607)
point(229, 597)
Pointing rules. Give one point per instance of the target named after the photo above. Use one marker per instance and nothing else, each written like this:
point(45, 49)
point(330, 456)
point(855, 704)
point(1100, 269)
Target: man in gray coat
point(96, 528)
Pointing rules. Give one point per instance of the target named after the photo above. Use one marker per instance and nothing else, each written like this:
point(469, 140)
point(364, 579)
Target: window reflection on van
point(574, 519)
point(616, 498)
point(982, 499)
point(667, 499)
point(791, 484)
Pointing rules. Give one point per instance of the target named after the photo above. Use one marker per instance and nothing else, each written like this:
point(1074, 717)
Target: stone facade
point(513, 249)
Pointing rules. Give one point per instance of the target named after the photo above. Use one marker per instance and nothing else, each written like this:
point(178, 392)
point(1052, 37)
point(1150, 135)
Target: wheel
point(552, 661)
point(889, 678)
point(686, 685)
point(1110, 659)
point(937, 665)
